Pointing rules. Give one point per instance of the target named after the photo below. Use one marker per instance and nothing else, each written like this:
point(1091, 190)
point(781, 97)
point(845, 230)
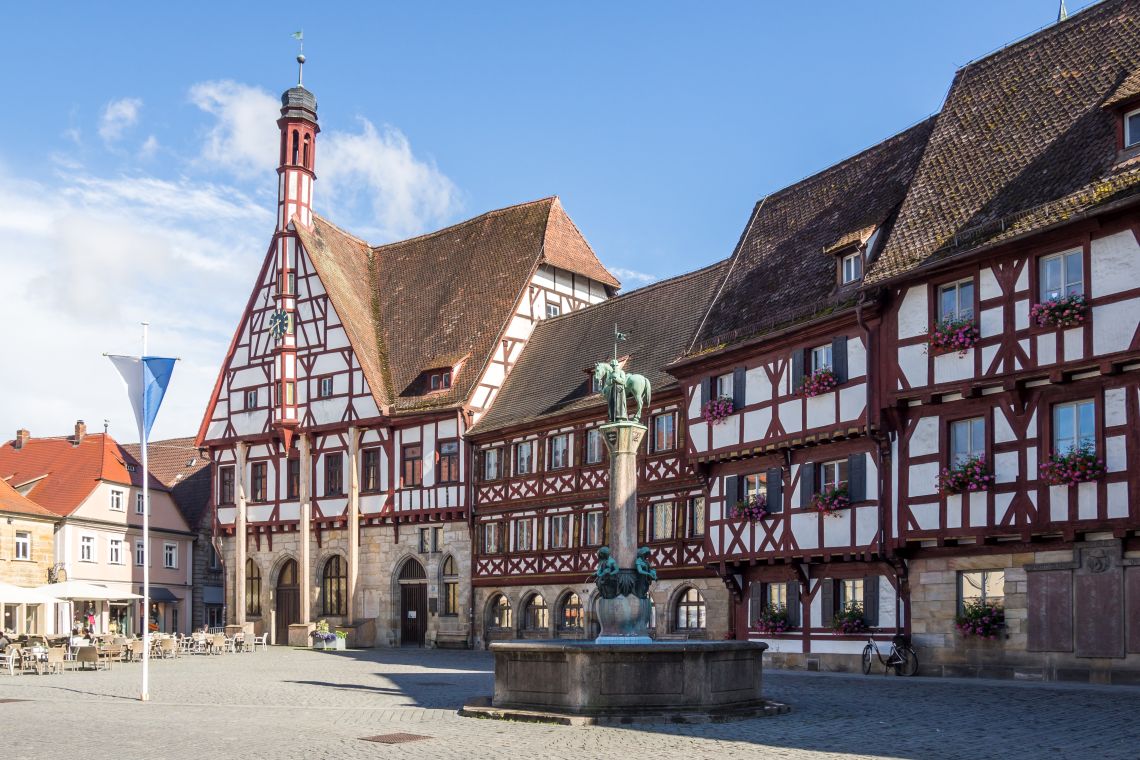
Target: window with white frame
point(724, 386)
point(664, 432)
point(138, 503)
point(559, 532)
point(967, 440)
point(593, 532)
point(115, 552)
point(1132, 128)
point(821, 358)
point(850, 592)
point(324, 387)
point(660, 524)
point(170, 555)
point(524, 535)
point(833, 475)
point(559, 451)
point(251, 399)
point(956, 301)
point(524, 458)
point(87, 548)
point(982, 586)
point(23, 545)
point(696, 521)
point(490, 542)
point(690, 613)
point(852, 267)
point(1062, 274)
point(776, 595)
point(553, 310)
point(116, 500)
point(492, 463)
point(1074, 426)
point(140, 554)
point(595, 447)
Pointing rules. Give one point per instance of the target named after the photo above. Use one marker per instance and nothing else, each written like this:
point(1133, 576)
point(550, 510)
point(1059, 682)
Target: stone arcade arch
point(411, 577)
point(286, 601)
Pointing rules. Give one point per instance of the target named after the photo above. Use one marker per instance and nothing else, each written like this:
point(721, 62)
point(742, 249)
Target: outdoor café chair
point(56, 657)
point(9, 658)
point(168, 648)
point(261, 641)
point(87, 655)
point(218, 644)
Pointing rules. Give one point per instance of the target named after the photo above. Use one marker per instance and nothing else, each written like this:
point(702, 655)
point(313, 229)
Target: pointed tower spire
point(1062, 12)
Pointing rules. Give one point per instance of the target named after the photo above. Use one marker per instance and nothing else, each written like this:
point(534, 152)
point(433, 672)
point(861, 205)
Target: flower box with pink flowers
point(971, 474)
point(981, 619)
point(1063, 311)
point(1079, 465)
point(774, 619)
point(829, 501)
point(717, 410)
point(820, 381)
point(752, 509)
point(954, 335)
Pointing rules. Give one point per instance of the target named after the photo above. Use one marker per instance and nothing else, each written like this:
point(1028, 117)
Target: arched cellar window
point(252, 588)
point(691, 611)
point(536, 616)
point(570, 619)
point(334, 586)
point(450, 582)
point(500, 612)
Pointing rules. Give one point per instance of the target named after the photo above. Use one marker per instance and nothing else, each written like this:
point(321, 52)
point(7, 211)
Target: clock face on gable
point(279, 323)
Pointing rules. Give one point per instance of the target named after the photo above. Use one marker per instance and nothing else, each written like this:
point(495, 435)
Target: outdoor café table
point(107, 655)
point(36, 657)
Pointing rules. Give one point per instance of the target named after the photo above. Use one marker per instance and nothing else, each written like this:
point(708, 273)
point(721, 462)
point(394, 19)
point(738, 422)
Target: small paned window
point(24, 545)
point(500, 612)
point(850, 592)
point(724, 386)
point(664, 432)
point(492, 464)
point(553, 310)
point(1074, 426)
point(536, 616)
point(696, 521)
point(776, 595)
point(170, 556)
point(370, 466)
point(324, 387)
point(490, 538)
point(660, 521)
point(334, 586)
point(251, 399)
point(252, 588)
point(412, 463)
point(115, 552)
point(595, 447)
point(450, 580)
point(259, 481)
point(292, 478)
point(956, 301)
point(756, 485)
point(593, 532)
point(833, 475)
point(140, 553)
point(852, 267)
point(524, 458)
point(981, 585)
point(571, 613)
point(524, 534)
point(449, 462)
point(138, 503)
point(1062, 274)
point(821, 358)
point(1132, 128)
point(559, 451)
point(117, 500)
point(226, 485)
point(440, 381)
point(967, 440)
point(690, 611)
point(559, 532)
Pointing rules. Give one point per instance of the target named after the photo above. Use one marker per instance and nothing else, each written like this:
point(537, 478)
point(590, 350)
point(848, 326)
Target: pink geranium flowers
point(1080, 465)
point(773, 619)
point(849, 620)
point(752, 509)
point(969, 475)
point(820, 381)
point(1063, 311)
point(831, 500)
point(981, 619)
point(954, 335)
point(717, 410)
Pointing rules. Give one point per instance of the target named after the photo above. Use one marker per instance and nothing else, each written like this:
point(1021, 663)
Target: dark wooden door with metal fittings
point(287, 602)
point(413, 613)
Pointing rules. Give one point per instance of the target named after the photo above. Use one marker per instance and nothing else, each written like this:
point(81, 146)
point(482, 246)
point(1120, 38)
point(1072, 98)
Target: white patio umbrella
point(72, 591)
point(10, 594)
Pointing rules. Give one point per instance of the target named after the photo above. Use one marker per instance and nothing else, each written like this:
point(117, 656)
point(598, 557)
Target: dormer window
point(1132, 128)
point(440, 381)
point(852, 268)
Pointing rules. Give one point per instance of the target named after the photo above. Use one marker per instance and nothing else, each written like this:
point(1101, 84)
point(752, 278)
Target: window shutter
point(839, 358)
point(706, 390)
point(826, 602)
point(738, 384)
point(871, 600)
point(807, 483)
point(757, 597)
point(797, 370)
point(731, 492)
point(857, 477)
point(794, 604)
point(775, 482)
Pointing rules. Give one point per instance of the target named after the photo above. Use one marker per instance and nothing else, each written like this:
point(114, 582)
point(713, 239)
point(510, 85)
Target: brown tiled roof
point(13, 503)
point(780, 272)
point(1023, 141)
point(178, 465)
point(65, 473)
point(659, 321)
point(440, 299)
point(1127, 90)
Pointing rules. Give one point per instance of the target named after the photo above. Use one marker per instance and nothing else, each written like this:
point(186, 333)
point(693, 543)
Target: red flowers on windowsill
point(1065, 311)
point(1080, 465)
point(831, 500)
point(970, 475)
point(752, 509)
point(820, 381)
point(717, 410)
point(954, 335)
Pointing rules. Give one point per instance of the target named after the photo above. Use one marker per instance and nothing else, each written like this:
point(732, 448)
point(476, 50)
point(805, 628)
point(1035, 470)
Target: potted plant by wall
point(951, 335)
point(971, 474)
point(1079, 465)
point(830, 500)
point(1063, 311)
point(774, 619)
point(849, 620)
point(752, 509)
point(981, 619)
point(324, 638)
point(717, 410)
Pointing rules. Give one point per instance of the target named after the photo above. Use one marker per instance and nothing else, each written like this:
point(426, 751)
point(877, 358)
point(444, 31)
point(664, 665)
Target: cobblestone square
point(288, 703)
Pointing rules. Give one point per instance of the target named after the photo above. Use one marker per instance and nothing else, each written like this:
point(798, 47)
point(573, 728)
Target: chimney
point(80, 431)
point(22, 436)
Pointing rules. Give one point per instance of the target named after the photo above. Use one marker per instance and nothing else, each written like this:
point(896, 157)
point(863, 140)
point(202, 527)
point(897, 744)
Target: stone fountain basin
point(683, 681)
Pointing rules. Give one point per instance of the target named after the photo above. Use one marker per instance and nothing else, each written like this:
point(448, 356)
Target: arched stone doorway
point(286, 602)
point(412, 580)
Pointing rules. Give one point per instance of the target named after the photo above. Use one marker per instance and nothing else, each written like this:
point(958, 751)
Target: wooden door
point(413, 613)
point(287, 602)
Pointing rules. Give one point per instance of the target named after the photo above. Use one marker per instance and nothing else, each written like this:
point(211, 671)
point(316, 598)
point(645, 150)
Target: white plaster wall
point(913, 313)
point(1115, 264)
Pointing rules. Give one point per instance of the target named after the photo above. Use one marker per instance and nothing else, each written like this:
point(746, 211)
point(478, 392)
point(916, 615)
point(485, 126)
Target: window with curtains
point(334, 586)
point(593, 530)
point(252, 588)
point(411, 466)
point(524, 534)
point(559, 451)
point(524, 458)
point(595, 447)
point(492, 464)
point(660, 521)
point(334, 474)
point(559, 537)
point(490, 538)
point(696, 517)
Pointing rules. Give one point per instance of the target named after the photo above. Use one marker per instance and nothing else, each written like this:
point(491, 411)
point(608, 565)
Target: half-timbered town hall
point(907, 402)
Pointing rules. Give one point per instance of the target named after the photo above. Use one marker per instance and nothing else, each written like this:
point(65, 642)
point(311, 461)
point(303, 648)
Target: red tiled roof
point(66, 473)
point(178, 465)
point(12, 501)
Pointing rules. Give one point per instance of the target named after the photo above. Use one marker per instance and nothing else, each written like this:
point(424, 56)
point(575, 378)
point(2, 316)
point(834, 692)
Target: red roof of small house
point(12, 502)
point(60, 473)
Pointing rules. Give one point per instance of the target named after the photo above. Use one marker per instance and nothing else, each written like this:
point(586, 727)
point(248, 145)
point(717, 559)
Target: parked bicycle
point(901, 656)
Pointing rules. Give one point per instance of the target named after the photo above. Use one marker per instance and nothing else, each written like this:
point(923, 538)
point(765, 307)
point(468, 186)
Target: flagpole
point(145, 695)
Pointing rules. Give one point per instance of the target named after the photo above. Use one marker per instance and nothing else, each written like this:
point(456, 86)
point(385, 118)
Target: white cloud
point(149, 148)
point(118, 116)
point(632, 276)
point(244, 137)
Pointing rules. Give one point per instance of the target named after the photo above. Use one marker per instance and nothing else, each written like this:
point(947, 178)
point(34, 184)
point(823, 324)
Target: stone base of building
point(299, 634)
point(481, 707)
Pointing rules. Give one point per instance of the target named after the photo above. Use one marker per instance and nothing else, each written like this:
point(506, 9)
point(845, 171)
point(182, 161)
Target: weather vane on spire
point(300, 37)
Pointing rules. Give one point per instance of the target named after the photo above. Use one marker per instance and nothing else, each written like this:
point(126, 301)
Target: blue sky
point(137, 161)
